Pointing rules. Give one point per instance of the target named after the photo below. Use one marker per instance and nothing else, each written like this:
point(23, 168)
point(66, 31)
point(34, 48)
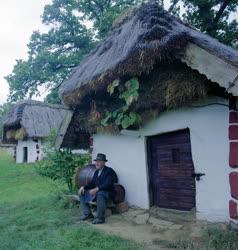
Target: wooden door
point(171, 168)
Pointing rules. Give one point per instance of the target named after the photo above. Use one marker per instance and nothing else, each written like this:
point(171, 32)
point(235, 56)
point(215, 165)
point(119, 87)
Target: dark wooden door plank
point(171, 169)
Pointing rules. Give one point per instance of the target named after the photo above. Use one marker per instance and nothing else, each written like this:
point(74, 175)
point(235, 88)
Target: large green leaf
point(111, 87)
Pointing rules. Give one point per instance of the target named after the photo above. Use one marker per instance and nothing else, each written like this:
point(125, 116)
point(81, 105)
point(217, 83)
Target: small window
point(176, 155)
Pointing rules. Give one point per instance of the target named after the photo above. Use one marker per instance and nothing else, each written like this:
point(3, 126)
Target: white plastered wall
point(126, 156)
point(10, 150)
point(32, 151)
point(210, 146)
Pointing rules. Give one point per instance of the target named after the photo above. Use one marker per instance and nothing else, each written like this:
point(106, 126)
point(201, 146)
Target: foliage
point(49, 141)
point(217, 18)
point(61, 165)
point(123, 116)
point(213, 238)
point(52, 55)
point(103, 13)
point(53, 97)
point(3, 110)
point(221, 239)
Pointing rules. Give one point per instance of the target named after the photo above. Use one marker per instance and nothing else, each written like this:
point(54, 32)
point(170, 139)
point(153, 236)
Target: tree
point(103, 13)
point(53, 54)
point(3, 110)
point(218, 18)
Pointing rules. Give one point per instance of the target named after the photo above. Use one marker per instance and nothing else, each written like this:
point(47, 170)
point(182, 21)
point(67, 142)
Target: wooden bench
point(111, 206)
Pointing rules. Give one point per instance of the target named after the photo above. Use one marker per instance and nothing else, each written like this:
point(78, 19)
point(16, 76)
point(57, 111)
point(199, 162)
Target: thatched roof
point(37, 119)
point(150, 35)
point(174, 63)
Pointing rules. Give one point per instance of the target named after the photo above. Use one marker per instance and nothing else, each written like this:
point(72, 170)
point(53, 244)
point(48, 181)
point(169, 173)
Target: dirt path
point(152, 231)
point(116, 225)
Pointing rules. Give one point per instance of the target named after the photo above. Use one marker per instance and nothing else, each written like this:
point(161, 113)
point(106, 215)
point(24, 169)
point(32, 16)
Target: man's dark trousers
point(102, 198)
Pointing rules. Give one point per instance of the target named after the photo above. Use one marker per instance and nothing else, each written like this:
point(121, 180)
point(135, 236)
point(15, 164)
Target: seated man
point(101, 189)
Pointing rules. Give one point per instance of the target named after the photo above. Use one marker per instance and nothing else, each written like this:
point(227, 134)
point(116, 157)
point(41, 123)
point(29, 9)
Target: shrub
point(61, 165)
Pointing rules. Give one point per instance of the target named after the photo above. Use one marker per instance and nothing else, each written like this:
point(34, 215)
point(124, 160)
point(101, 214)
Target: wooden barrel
point(120, 193)
point(85, 175)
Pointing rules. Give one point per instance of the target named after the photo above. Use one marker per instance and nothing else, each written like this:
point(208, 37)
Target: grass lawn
point(33, 217)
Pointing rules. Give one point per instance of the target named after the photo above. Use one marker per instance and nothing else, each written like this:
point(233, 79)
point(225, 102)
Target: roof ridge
point(31, 102)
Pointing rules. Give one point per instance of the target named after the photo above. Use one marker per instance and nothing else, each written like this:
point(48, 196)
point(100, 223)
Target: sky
point(18, 18)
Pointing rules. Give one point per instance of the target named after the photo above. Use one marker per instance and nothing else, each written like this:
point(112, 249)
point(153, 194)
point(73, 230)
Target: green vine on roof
point(123, 116)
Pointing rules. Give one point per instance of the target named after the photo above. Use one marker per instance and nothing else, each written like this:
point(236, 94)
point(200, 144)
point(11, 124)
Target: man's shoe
point(98, 221)
point(87, 217)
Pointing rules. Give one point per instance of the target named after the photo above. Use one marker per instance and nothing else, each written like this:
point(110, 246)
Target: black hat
point(101, 157)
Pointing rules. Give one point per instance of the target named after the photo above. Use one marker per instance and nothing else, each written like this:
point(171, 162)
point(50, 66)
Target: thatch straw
point(125, 16)
point(171, 86)
point(167, 86)
point(10, 134)
point(20, 134)
point(33, 119)
point(136, 43)
point(147, 43)
point(111, 129)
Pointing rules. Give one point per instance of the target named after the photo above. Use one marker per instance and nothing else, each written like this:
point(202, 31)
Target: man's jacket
point(105, 182)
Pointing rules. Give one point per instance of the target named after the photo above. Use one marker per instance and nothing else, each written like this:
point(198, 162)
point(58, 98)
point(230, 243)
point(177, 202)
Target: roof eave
point(214, 68)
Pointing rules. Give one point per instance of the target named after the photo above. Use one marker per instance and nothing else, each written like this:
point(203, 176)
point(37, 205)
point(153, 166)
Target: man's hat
point(101, 157)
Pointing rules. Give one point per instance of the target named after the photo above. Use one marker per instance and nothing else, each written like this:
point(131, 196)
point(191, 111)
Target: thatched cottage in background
point(27, 124)
point(183, 151)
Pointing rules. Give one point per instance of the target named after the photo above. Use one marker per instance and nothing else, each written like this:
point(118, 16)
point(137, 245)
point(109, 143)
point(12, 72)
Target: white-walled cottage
point(26, 126)
point(183, 151)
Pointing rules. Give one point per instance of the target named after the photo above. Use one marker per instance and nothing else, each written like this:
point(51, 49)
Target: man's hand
point(81, 191)
point(93, 191)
